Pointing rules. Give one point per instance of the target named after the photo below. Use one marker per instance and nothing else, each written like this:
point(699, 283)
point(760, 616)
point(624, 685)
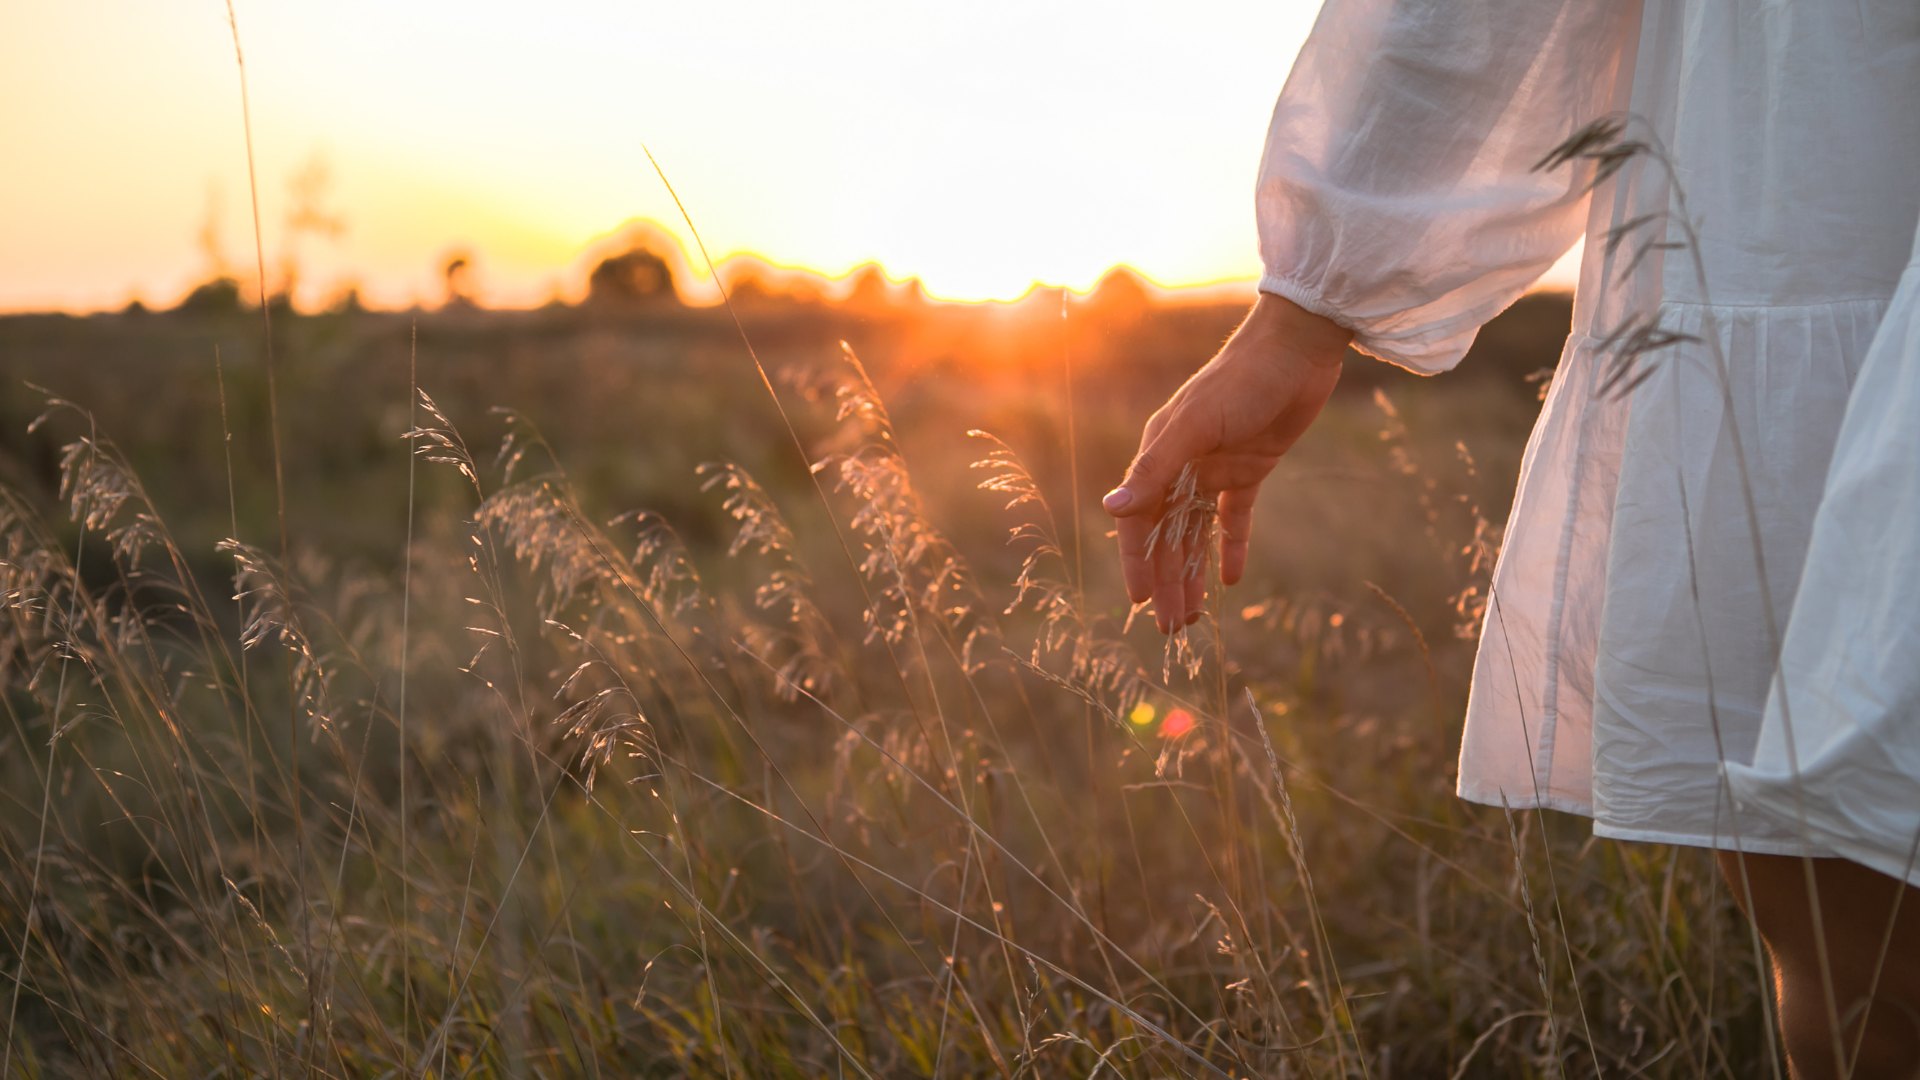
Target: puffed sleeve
point(1398, 194)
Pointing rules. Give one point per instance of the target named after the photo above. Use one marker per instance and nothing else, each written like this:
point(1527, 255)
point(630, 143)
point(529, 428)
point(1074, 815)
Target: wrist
point(1316, 338)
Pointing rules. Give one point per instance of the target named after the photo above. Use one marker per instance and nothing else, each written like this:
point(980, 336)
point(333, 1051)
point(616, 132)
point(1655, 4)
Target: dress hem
point(1529, 801)
point(1648, 836)
point(1717, 843)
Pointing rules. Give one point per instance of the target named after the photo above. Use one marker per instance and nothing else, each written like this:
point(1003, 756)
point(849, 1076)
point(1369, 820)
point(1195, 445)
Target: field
point(545, 693)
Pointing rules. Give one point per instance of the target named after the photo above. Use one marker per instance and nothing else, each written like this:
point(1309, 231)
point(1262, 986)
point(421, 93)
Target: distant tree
point(869, 289)
point(752, 280)
point(307, 216)
point(1121, 296)
point(751, 289)
point(217, 296)
point(637, 276)
point(208, 238)
point(458, 277)
point(347, 302)
point(219, 293)
point(913, 292)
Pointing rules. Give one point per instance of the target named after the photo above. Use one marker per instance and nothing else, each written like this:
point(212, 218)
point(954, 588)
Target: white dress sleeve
point(1398, 194)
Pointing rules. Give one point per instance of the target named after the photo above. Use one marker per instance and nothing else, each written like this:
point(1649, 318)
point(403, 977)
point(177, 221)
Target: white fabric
point(1839, 754)
point(1653, 558)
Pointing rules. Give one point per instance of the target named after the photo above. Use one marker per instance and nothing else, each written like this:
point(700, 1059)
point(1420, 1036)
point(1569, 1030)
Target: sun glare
point(979, 150)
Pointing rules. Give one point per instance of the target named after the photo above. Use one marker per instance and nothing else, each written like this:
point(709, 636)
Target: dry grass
point(772, 782)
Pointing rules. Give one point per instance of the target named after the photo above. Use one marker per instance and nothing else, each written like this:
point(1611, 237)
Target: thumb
point(1154, 469)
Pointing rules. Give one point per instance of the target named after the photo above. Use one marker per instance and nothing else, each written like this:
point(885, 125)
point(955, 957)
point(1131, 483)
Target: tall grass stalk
point(400, 712)
point(279, 492)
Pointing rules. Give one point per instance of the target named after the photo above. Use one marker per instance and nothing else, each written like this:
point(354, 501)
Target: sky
point(981, 147)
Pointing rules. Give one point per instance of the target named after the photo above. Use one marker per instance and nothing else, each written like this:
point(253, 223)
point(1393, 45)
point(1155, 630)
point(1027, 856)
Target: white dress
point(1660, 652)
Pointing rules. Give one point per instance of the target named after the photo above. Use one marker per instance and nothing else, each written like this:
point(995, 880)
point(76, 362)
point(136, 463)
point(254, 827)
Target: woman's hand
point(1233, 419)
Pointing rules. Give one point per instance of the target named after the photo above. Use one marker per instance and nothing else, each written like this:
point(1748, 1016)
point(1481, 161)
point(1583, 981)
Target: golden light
point(979, 149)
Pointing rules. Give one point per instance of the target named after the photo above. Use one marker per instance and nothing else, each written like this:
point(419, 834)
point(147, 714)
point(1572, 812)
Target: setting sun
point(979, 149)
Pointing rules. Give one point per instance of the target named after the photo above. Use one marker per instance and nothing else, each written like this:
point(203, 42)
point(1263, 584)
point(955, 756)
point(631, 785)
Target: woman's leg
point(1875, 977)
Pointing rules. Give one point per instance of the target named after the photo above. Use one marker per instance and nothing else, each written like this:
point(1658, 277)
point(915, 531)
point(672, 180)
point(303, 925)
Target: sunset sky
point(981, 147)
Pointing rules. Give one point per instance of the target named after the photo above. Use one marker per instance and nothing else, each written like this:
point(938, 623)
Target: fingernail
point(1117, 500)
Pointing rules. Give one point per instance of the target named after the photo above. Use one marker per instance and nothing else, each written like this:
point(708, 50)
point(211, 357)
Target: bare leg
point(1875, 977)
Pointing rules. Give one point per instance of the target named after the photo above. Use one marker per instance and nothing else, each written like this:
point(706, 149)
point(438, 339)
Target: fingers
point(1170, 442)
point(1236, 531)
point(1179, 584)
point(1163, 451)
point(1226, 471)
point(1169, 588)
point(1136, 567)
point(1196, 586)
point(1161, 575)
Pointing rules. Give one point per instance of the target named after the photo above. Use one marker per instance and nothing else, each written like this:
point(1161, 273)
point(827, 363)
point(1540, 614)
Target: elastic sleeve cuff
point(1423, 352)
point(1306, 296)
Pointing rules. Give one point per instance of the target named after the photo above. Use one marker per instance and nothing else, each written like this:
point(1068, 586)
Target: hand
point(1233, 419)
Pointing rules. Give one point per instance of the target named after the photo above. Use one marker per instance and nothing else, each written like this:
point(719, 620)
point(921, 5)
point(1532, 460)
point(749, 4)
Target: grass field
point(635, 732)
